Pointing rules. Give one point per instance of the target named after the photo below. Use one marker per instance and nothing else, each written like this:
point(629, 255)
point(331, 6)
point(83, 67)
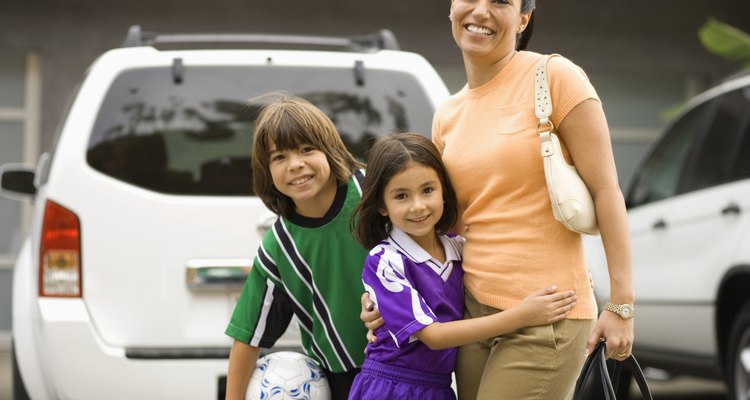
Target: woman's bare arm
point(586, 135)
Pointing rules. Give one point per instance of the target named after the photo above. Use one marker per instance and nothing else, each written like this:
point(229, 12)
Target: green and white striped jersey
point(312, 268)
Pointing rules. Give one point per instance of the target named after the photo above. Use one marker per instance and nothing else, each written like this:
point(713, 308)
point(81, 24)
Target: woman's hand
point(370, 316)
point(545, 306)
point(617, 331)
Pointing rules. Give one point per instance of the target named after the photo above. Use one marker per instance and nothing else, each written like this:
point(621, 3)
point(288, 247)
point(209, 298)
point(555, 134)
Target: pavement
point(680, 388)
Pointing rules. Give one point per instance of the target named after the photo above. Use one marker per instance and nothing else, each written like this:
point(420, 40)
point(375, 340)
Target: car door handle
point(731, 208)
point(660, 224)
point(217, 274)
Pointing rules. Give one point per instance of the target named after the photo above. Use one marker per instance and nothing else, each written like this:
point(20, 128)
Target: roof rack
point(383, 39)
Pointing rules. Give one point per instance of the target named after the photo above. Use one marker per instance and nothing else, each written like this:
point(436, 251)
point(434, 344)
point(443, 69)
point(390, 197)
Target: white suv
point(145, 222)
point(689, 214)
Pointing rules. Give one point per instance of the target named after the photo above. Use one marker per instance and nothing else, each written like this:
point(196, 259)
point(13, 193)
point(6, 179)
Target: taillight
point(60, 253)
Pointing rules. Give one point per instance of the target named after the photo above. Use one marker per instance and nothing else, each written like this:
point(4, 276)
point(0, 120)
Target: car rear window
point(193, 136)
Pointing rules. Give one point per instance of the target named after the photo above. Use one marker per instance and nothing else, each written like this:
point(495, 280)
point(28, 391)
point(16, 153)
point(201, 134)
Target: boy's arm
point(242, 360)
point(542, 307)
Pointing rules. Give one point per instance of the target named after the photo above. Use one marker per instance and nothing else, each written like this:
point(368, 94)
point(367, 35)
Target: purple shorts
point(379, 381)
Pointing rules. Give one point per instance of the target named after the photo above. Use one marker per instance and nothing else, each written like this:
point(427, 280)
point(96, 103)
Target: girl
point(308, 264)
point(413, 275)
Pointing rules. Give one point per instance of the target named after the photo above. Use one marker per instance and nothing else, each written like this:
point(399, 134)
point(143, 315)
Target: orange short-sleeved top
point(487, 137)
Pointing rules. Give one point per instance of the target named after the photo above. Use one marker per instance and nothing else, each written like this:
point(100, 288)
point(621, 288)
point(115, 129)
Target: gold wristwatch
point(625, 311)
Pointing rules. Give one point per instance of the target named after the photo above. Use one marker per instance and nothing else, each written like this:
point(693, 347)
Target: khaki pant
point(533, 363)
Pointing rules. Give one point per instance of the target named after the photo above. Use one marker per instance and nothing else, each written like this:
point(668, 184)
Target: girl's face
point(487, 28)
point(413, 201)
point(303, 174)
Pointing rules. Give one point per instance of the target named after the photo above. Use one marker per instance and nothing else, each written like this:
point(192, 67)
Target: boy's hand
point(370, 316)
point(546, 306)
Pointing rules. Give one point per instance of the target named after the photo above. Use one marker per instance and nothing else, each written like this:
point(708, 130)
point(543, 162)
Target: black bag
point(597, 382)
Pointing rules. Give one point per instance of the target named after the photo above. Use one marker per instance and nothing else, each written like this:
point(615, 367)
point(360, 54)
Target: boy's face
point(303, 174)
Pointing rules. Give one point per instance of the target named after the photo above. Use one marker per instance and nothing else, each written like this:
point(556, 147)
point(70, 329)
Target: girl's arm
point(584, 131)
point(540, 308)
point(242, 360)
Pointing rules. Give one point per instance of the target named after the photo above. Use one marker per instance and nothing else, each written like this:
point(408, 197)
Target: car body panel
point(139, 248)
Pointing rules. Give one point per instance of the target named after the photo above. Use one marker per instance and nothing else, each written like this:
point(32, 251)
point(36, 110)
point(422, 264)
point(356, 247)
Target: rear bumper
point(80, 366)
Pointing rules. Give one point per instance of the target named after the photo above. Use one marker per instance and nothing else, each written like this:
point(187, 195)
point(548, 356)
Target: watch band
point(625, 311)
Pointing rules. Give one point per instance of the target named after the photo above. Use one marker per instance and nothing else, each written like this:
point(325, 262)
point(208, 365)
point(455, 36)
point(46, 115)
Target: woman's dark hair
point(522, 41)
point(388, 157)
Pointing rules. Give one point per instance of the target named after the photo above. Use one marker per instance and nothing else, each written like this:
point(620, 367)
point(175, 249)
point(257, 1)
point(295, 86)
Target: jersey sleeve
point(262, 312)
point(403, 309)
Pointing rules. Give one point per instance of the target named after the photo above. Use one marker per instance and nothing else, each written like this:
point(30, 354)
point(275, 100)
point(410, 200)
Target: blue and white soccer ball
point(287, 375)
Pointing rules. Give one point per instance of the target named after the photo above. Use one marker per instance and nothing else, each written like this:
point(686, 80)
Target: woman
point(487, 137)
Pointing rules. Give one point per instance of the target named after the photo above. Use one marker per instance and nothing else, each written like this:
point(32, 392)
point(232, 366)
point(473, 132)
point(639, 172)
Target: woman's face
point(487, 28)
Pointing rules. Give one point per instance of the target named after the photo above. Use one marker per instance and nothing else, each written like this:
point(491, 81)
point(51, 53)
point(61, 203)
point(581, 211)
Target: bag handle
point(597, 361)
point(543, 107)
point(542, 97)
point(635, 369)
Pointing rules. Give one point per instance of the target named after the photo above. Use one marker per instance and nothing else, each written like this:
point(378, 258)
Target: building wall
point(603, 37)
point(643, 56)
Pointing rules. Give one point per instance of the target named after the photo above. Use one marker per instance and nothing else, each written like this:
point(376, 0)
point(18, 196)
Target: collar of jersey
point(331, 214)
point(415, 252)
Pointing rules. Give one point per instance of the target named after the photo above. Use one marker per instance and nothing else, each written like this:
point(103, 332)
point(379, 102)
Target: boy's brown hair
point(289, 122)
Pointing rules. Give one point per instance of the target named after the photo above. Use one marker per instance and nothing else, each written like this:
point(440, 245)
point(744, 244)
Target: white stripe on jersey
point(328, 322)
point(391, 275)
point(261, 327)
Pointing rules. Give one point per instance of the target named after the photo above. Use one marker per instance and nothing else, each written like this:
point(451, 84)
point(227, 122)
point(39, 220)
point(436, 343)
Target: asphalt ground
point(680, 388)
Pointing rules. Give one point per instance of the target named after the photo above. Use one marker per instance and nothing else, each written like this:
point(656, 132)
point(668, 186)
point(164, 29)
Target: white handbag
point(571, 200)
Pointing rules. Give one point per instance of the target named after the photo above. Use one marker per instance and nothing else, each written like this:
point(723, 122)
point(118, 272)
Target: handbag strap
point(543, 107)
point(597, 361)
point(542, 98)
point(638, 376)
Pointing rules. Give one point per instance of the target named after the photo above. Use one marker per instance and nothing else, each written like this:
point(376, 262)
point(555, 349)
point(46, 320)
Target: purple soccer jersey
point(413, 290)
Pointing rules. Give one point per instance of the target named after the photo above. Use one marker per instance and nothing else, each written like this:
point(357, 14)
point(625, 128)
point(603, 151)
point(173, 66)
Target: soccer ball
point(287, 375)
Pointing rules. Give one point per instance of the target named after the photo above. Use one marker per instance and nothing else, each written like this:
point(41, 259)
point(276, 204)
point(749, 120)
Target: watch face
point(626, 311)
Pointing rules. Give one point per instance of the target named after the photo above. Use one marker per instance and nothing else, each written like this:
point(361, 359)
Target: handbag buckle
point(544, 122)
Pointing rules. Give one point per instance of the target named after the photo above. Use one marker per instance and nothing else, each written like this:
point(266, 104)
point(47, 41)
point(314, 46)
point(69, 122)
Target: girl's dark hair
point(522, 41)
point(290, 122)
point(388, 157)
